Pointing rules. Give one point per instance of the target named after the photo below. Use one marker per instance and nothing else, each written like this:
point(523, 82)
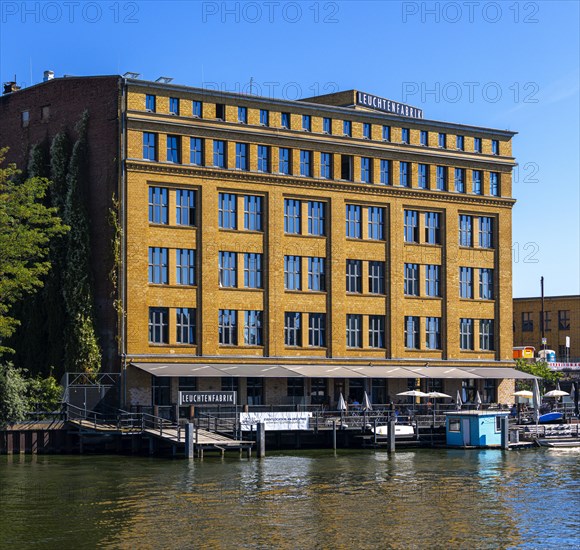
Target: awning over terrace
point(326, 371)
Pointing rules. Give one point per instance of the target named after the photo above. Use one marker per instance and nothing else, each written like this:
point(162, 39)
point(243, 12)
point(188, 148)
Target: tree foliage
point(540, 369)
point(26, 227)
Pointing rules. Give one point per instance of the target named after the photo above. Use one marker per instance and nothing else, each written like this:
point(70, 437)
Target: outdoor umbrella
point(367, 406)
point(458, 401)
point(537, 400)
point(414, 393)
point(524, 393)
point(576, 396)
point(341, 403)
point(435, 395)
point(478, 399)
point(556, 393)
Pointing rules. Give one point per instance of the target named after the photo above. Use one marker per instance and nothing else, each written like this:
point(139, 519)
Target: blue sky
point(510, 65)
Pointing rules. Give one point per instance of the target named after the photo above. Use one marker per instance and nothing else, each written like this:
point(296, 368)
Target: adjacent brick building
point(289, 250)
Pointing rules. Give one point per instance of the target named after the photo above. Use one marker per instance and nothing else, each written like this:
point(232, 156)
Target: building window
point(173, 149)
point(292, 328)
point(227, 327)
point(158, 325)
point(376, 331)
point(347, 128)
point(243, 115)
point(158, 270)
point(284, 160)
point(255, 390)
point(432, 280)
point(405, 135)
point(185, 266)
point(227, 269)
point(486, 340)
point(477, 179)
point(263, 158)
point(385, 178)
point(185, 207)
point(486, 284)
point(564, 319)
point(196, 151)
point(366, 130)
point(460, 180)
point(547, 320)
point(411, 280)
point(424, 137)
point(494, 147)
point(252, 270)
point(306, 123)
point(253, 332)
point(466, 282)
point(442, 140)
point(404, 174)
point(386, 133)
point(149, 146)
point(25, 118)
point(292, 273)
point(317, 330)
point(219, 154)
point(477, 145)
point(150, 103)
point(45, 113)
point(465, 230)
point(411, 226)
point(376, 277)
point(185, 325)
point(441, 182)
point(227, 211)
point(174, 105)
point(264, 117)
point(466, 334)
point(412, 332)
point(242, 156)
point(316, 218)
point(376, 227)
point(285, 120)
point(220, 111)
point(295, 387)
point(365, 169)
point(253, 213)
point(527, 322)
point(433, 332)
point(196, 109)
point(353, 221)
point(353, 331)
point(423, 173)
point(494, 184)
point(432, 228)
point(316, 276)
point(327, 125)
point(354, 276)
point(158, 208)
point(485, 232)
point(292, 216)
point(326, 166)
point(460, 143)
point(346, 164)
point(306, 163)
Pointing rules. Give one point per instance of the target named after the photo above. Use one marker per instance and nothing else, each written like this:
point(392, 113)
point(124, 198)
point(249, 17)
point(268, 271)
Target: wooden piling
point(334, 434)
point(189, 440)
point(391, 436)
point(261, 440)
point(505, 442)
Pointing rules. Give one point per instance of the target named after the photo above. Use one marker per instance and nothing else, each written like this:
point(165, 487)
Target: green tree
point(13, 394)
point(44, 394)
point(27, 226)
point(540, 369)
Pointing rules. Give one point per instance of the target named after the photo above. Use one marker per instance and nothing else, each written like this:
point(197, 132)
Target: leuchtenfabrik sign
point(207, 398)
point(387, 105)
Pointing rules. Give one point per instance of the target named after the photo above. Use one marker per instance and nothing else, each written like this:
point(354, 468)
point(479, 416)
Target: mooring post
point(505, 442)
point(375, 431)
point(334, 434)
point(261, 439)
point(391, 437)
point(189, 440)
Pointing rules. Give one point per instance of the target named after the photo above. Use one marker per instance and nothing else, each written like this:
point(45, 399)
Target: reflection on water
point(412, 499)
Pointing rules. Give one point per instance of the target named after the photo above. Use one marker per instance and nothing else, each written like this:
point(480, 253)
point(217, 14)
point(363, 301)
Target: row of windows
point(346, 129)
point(446, 179)
point(253, 332)
point(361, 222)
point(563, 320)
point(432, 331)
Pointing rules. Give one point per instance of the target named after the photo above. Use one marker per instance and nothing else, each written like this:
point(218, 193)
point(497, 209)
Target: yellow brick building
point(294, 250)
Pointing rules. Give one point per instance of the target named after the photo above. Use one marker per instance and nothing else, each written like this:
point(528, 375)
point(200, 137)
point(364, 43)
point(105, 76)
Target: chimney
point(48, 75)
point(10, 87)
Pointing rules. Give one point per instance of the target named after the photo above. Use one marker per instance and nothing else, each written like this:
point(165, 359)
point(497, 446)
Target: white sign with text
point(276, 420)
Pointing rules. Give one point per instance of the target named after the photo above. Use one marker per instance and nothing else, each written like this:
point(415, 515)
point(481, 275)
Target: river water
point(318, 499)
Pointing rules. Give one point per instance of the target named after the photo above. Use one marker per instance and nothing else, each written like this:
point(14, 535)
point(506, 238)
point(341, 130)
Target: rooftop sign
point(387, 106)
